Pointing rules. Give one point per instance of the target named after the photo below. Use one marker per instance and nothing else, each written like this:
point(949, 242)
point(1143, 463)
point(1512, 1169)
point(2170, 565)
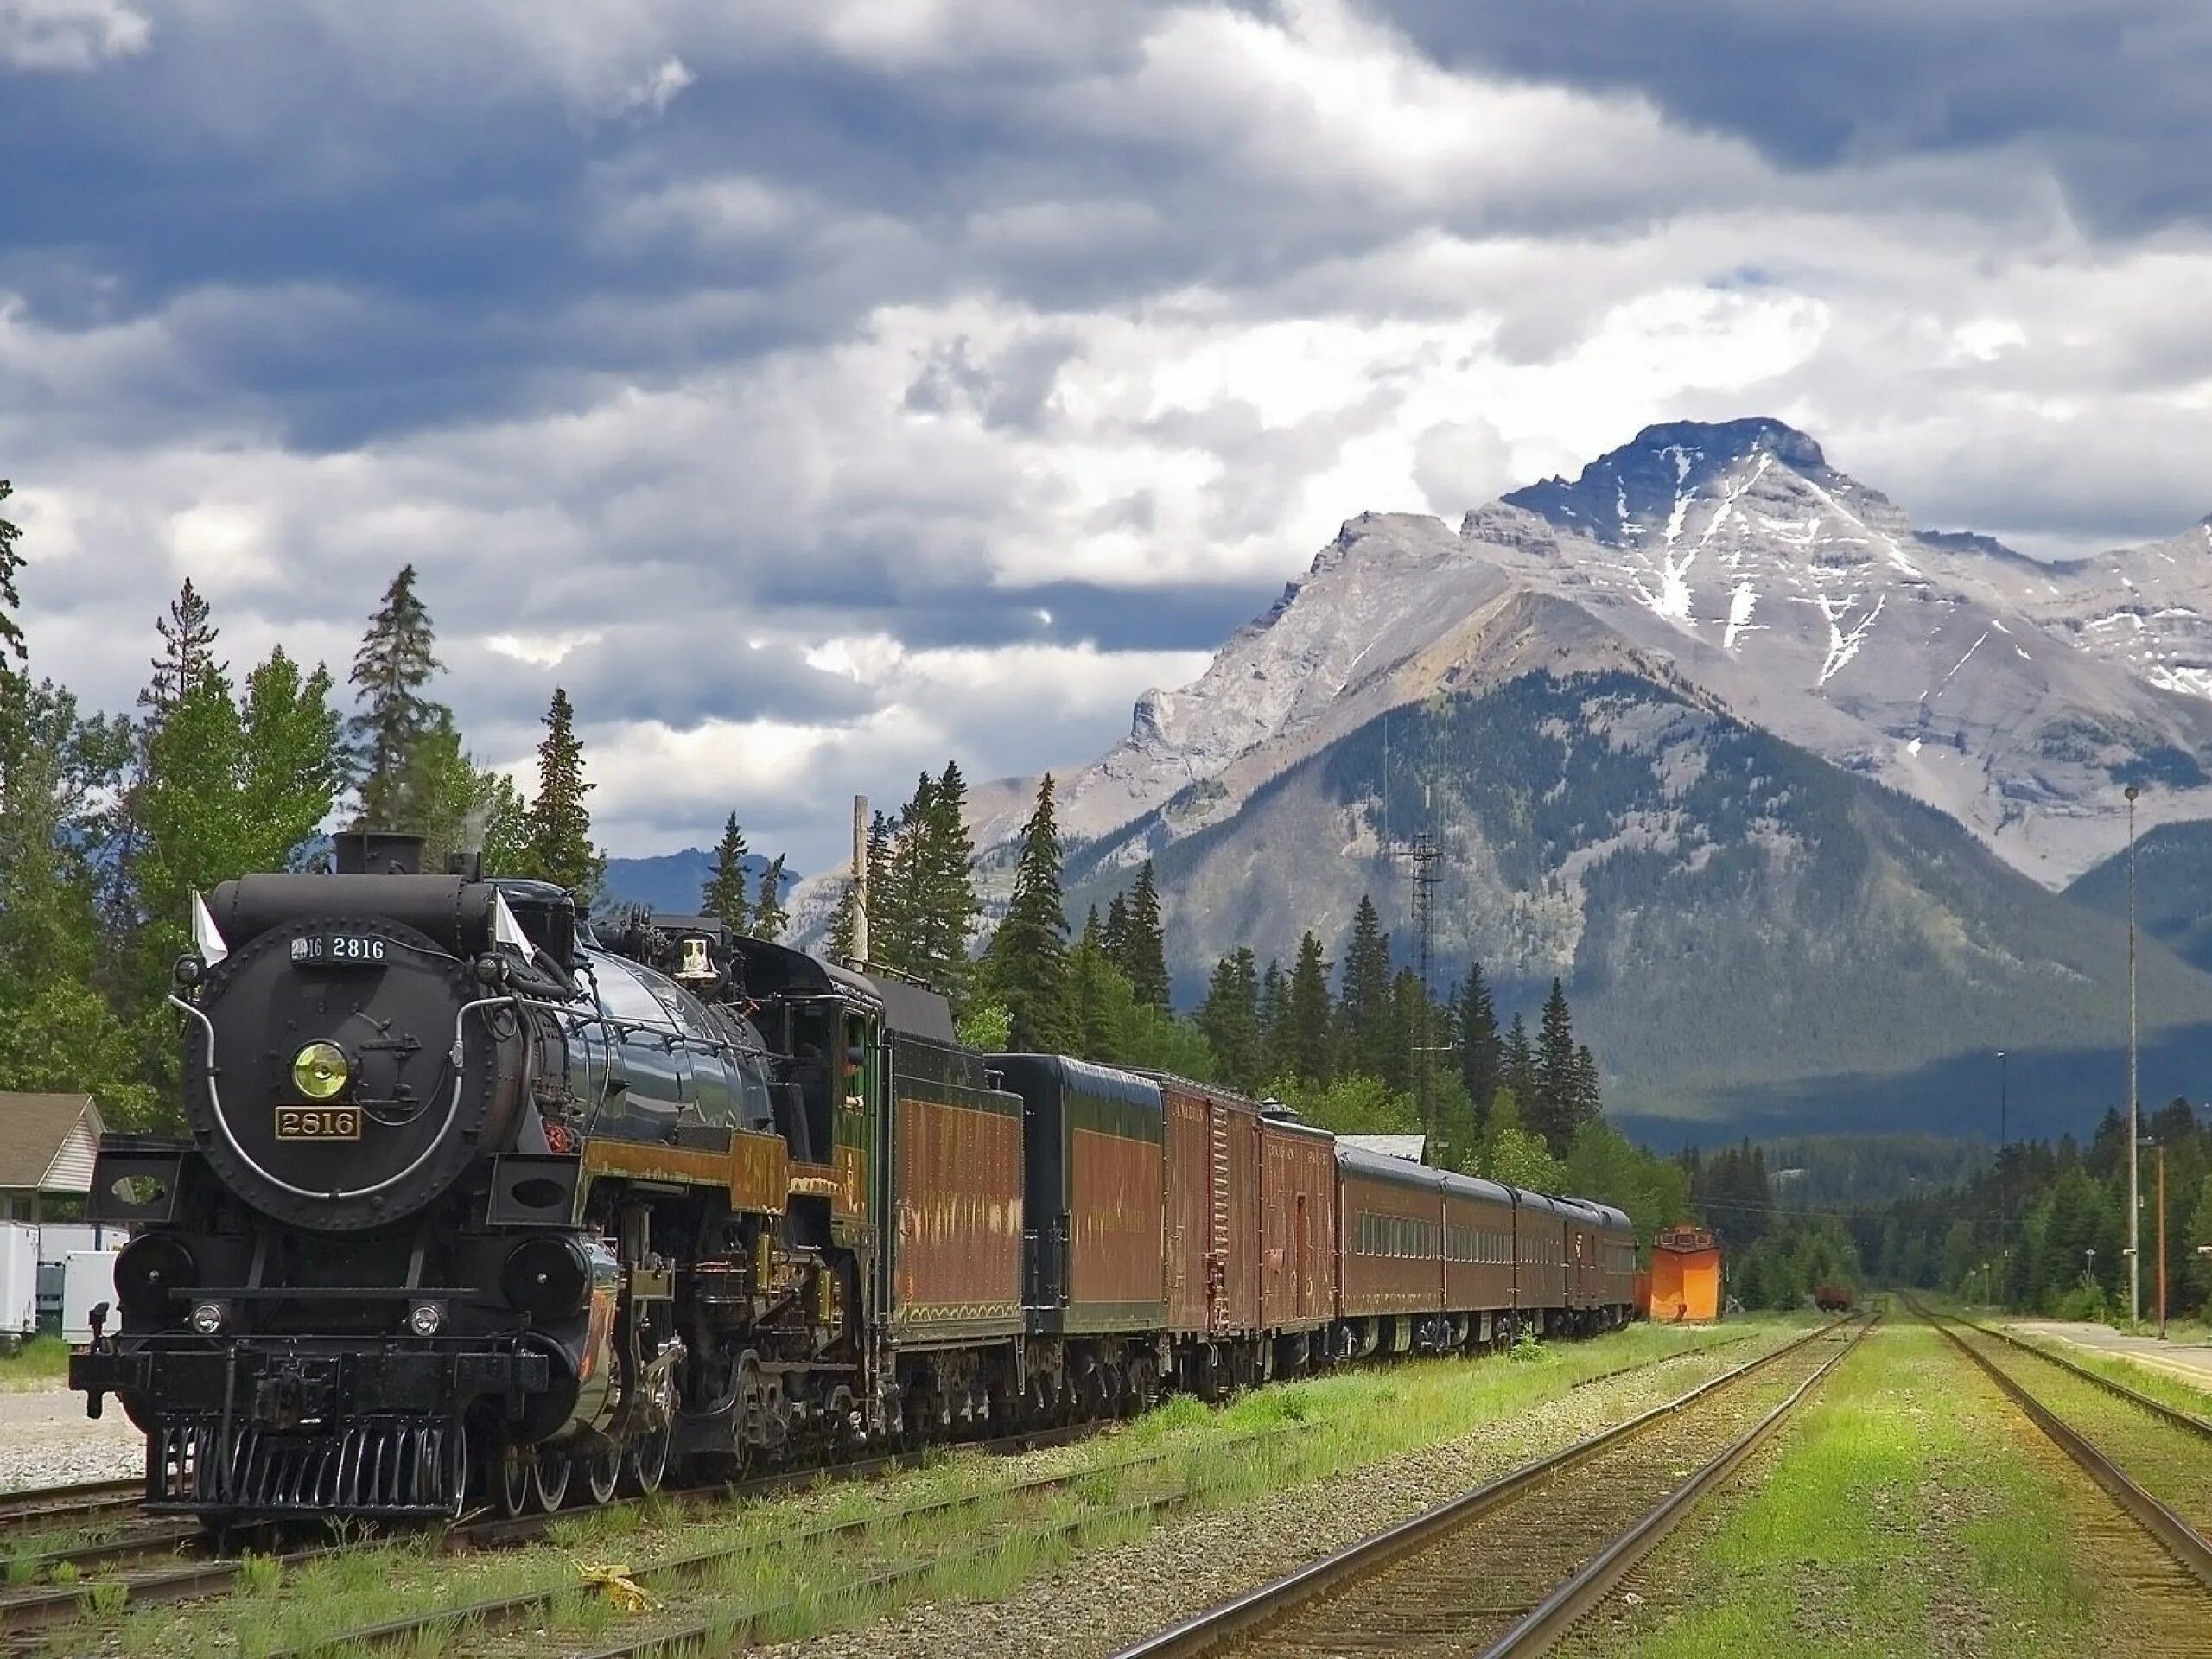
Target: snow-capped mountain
point(2149, 607)
point(1731, 562)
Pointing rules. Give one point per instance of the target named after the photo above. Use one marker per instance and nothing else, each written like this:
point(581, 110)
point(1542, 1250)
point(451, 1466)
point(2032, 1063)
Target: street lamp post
point(2134, 1122)
point(2089, 1270)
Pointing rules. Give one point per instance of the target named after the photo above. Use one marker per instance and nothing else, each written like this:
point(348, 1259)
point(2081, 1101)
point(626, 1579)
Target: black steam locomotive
point(477, 1206)
point(447, 1157)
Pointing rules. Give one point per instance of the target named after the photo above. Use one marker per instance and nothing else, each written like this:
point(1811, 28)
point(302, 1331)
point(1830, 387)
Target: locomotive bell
point(694, 964)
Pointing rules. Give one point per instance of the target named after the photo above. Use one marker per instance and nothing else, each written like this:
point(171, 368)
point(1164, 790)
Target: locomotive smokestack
point(376, 852)
point(860, 878)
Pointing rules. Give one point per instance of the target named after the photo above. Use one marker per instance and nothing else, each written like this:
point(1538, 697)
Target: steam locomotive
point(477, 1206)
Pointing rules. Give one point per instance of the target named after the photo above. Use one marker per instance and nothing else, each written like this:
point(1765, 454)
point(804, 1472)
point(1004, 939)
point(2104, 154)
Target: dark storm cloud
point(2116, 96)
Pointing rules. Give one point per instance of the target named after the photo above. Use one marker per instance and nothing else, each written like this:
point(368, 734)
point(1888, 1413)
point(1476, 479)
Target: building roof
point(1390, 1146)
point(46, 1142)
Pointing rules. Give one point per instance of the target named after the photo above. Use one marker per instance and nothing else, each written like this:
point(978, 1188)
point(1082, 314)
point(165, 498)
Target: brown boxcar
point(956, 1197)
point(1477, 1252)
point(1095, 1149)
point(1390, 1247)
point(1213, 1212)
point(1298, 1207)
point(1539, 1261)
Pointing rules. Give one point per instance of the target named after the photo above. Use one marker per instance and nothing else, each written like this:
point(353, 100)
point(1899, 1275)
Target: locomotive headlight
point(424, 1318)
point(320, 1071)
point(206, 1318)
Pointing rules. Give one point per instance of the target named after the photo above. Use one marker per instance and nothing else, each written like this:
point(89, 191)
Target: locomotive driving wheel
point(549, 1481)
point(646, 1463)
point(513, 1478)
point(602, 1469)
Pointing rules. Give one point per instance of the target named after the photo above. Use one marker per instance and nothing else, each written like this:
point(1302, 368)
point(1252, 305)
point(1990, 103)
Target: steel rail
point(1206, 1632)
point(1574, 1598)
point(2183, 1541)
point(161, 1539)
point(2173, 1414)
point(37, 1505)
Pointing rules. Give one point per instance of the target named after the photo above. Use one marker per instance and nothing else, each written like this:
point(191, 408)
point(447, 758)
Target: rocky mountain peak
point(1627, 493)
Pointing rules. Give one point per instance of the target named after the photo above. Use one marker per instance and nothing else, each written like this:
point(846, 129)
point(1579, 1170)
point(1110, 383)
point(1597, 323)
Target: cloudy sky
point(820, 390)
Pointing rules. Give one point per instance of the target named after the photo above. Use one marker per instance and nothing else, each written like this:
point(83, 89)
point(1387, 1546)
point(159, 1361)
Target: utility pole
point(2001, 1138)
point(2134, 1121)
point(1425, 855)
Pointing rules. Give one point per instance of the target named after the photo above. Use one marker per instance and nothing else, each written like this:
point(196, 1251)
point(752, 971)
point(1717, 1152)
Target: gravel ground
point(45, 1439)
point(1117, 1595)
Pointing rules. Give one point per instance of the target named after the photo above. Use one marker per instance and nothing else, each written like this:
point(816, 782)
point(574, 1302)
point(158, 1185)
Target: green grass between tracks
point(983, 1549)
point(1897, 1516)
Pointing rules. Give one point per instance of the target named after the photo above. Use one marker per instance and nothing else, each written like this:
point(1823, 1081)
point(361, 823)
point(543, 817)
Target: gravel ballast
point(1114, 1597)
point(45, 1439)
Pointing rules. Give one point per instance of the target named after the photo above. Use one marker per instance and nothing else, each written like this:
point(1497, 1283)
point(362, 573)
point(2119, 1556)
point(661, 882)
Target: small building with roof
point(46, 1145)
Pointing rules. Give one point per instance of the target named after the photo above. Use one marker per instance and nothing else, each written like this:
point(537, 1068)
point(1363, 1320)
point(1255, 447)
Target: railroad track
point(2180, 1540)
point(422, 1632)
point(1500, 1570)
point(170, 1563)
point(39, 1508)
point(168, 1578)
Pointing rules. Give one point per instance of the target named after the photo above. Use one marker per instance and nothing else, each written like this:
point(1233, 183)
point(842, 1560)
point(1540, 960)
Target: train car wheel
point(602, 1471)
point(645, 1464)
point(456, 1470)
point(512, 1480)
point(549, 1481)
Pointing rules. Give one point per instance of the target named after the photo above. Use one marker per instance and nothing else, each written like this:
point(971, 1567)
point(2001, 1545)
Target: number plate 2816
point(339, 950)
point(318, 1123)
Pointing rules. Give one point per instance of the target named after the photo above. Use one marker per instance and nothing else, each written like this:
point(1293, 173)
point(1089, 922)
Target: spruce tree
point(11, 632)
point(948, 906)
point(1309, 1037)
point(1115, 938)
point(770, 918)
point(1482, 1057)
point(897, 922)
point(1589, 1097)
point(885, 922)
point(396, 660)
point(723, 895)
point(557, 846)
point(1275, 1022)
point(1554, 1114)
point(1364, 1010)
point(1144, 945)
point(189, 634)
point(1229, 1017)
point(1091, 994)
point(1028, 954)
point(1519, 1071)
point(844, 923)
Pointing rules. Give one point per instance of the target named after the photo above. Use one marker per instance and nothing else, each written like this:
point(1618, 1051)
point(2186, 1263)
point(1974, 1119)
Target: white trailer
point(88, 1279)
point(18, 1283)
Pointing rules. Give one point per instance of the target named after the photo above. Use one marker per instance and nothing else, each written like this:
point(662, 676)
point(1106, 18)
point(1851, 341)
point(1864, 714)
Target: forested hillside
point(1731, 914)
